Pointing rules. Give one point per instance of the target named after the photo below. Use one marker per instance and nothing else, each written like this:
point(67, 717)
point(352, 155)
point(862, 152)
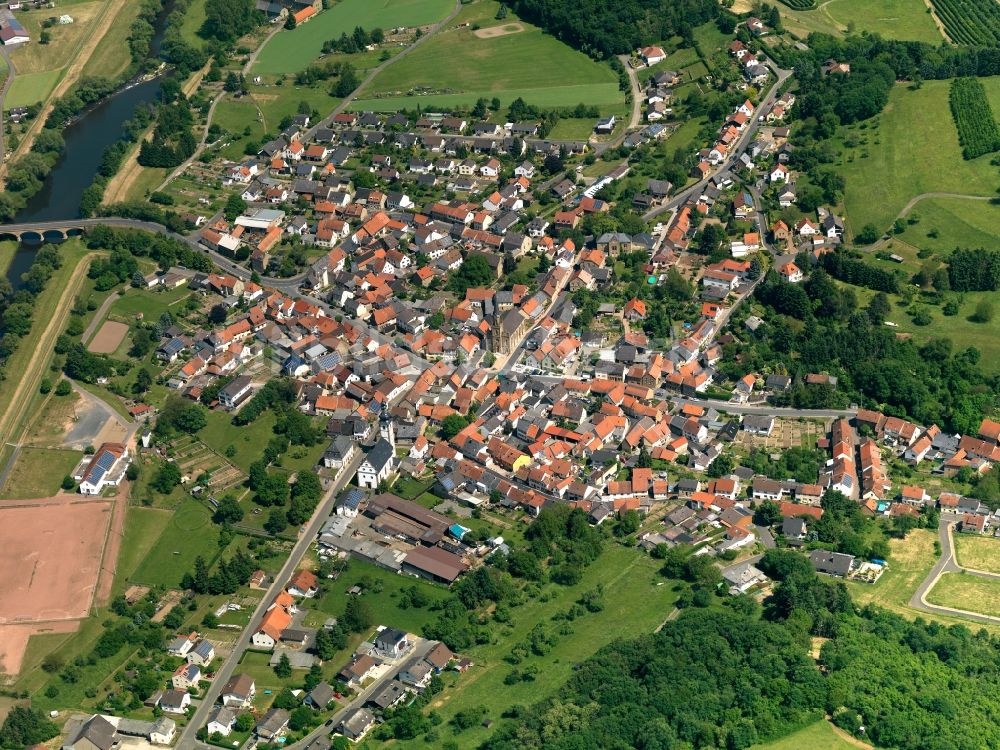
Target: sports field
point(913, 150)
point(967, 592)
point(978, 552)
point(457, 67)
point(291, 51)
point(819, 736)
point(893, 19)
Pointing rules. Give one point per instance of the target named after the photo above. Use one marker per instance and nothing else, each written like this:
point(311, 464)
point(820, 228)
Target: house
point(96, 733)
point(391, 695)
point(416, 675)
point(202, 653)
point(378, 465)
point(272, 625)
point(185, 676)
point(974, 523)
point(434, 563)
point(272, 725)
point(355, 725)
point(794, 529)
point(391, 643)
point(239, 691)
point(790, 272)
point(831, 563)
point(652, 55)
point(360, 669)
point(303, 583)
point(635, 309)
point(106, 469)
point(744, 577)
point(320, 696)
point(175, 701)
point(235, 392)
point(439, 657)
point(605, 125)
point(221, 721)
point(778, 174)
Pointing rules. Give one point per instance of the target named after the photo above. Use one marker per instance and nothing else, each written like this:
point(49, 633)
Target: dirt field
point(495, 31)
point(50, 555)
point(108, 338)
point(14, 641)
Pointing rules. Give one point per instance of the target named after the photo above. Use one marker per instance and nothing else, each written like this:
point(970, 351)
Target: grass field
point(818, 736)
point(457, 67)
point(194, 17)
point(635, 604)
point(112, 56)
point(910, 562)
point(968, 592)
point(956, 222)
point(38, 472)
point(151, 304)
point(978, 552)
point(235, 116)
point(276, 102)
point(913, 150)
point(64, 41)
point(143, 528)
point(189, 533)
point(893, 19)
point(291, 51)
point(31, 88)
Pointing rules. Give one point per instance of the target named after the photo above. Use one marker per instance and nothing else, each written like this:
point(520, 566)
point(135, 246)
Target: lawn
point(913, 150)
point(38, 472)
point(457, 67)
point(819, 736)
point(978, 552)
point(955, 222)
point(65, 40)
point(31, 88)
point(893, 19)
point(143, 528)
point(112, 55)
point(381, 589)
point(249, 440)
point(909, 563)
point(189, 533)
point(967, 592)
point(637, 602)
point(710, 39)
point(194, 17)
point(276, 102)
point(151, 304)
point(291, 51)
point(236, 116)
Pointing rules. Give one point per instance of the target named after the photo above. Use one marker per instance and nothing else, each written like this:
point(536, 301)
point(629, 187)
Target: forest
point(818, 327)
point(735, 676)
point(602, 29)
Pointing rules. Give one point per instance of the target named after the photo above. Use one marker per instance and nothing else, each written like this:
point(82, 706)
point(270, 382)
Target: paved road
point(948, 564)
point(745, 139)
point(421, 648)
point(226, 669)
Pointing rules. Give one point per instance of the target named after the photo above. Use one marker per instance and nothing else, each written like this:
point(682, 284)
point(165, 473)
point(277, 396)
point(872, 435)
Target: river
point(86, 139)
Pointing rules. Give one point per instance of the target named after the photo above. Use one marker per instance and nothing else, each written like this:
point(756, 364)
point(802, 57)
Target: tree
point(235, 206)
point(64, 388)
point(283, 668)
point(218, 314)
point(452, 425)
point(228, 20)
point(26, 726)
point(68, 483)
point(244, 722)
point(166, 478)
point(768, 513)
point(228, 512)
point(347, 82)
point(984, 312)
point(358, 615)
point(290, 22)
point(143, 380)
point(869, 233)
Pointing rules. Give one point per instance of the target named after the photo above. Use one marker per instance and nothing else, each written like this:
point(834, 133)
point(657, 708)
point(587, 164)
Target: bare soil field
point(51, 555)
point(14, 641)
point(108, 338)
point(495, 31)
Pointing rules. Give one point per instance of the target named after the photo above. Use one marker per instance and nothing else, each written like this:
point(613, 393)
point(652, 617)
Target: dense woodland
point(818, 327)
point(601, 29)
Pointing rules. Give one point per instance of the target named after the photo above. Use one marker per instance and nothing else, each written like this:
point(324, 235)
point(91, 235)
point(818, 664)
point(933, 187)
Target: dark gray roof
point(380, 454)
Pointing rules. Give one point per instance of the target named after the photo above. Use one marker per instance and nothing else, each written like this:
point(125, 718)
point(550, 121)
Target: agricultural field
point(910, 149)
point(978, 132)
point(460, 65)
point(978, 552)
point(893, 19)
point(970, 21)
point(291, 51)
point(967, 592)
point(819, 736)
point(640, 603)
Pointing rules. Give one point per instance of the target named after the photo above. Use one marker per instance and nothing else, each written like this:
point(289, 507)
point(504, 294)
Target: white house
point(791, 273)
point(652, 55)
point(378, 465)
point(106, 469)
point(779, 173)
point(239, 692)
point(221, 720)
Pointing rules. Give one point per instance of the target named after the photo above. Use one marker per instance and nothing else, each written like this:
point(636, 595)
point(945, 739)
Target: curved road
point(948, 564)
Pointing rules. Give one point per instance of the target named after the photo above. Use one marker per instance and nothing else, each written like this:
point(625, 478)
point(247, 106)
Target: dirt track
point(43, 344)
